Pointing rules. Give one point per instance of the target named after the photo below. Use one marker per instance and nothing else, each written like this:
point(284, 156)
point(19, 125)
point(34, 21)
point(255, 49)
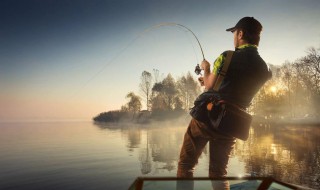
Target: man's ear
point(240, 34)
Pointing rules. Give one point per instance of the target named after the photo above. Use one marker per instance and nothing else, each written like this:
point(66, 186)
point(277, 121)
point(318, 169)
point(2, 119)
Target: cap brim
point(231, 29)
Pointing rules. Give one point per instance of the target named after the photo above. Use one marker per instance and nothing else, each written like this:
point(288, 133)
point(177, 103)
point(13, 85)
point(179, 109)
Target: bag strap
point(223, 71)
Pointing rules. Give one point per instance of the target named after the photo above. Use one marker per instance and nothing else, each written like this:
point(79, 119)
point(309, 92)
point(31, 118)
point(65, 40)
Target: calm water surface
point(84, 155)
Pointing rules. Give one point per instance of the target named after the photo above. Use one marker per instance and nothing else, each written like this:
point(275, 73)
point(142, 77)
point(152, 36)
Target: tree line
point(293, 92)
point(162, 97)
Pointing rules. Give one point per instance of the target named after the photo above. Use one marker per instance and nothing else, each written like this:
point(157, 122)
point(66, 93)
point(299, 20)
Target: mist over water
point(85, 155)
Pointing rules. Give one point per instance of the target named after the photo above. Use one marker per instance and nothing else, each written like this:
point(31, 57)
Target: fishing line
point(131, 43)
point(104, 66)
point(179, 26)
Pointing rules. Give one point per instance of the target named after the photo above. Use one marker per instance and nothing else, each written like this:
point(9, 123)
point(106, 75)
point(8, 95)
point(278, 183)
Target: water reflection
point(288, 153)
point(134, 138)
point(158, 146)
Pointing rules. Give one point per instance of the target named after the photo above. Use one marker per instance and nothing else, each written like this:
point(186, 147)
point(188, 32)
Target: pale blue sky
point(55, 55)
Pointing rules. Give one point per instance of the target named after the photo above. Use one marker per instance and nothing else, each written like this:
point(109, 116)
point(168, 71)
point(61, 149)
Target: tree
point(308, 69)
point(188, 89)
point(178, 104)
point(287, 78)
point(164, 93)
point(145, 86)
point(134, 104)
point(169, 91)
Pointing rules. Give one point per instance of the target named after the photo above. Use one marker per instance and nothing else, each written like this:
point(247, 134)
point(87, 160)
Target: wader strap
point(223, 71)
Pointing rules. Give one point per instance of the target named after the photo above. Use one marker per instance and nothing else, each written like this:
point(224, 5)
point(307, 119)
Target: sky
point(71, 60)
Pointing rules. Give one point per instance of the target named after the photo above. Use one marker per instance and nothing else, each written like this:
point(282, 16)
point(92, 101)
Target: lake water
point(84, 155)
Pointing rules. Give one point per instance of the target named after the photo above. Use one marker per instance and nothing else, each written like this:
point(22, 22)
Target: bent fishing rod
point(197, 68)
point(178, 25)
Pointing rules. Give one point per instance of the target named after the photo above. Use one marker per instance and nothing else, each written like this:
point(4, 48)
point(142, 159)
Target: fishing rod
point(197, 68)
point(179, 25)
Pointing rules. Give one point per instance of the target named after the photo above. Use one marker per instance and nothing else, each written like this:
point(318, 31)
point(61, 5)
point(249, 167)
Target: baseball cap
point(248, 23)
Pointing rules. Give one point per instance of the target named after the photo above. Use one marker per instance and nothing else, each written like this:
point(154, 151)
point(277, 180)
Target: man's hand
point(208, 78)
point(205, 65)
point(200, 79)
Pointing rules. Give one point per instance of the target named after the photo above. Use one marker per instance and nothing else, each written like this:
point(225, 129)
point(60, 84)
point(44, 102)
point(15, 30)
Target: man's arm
point(209, 78)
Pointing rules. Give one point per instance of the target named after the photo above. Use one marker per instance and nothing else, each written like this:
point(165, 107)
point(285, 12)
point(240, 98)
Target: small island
point(166, 99)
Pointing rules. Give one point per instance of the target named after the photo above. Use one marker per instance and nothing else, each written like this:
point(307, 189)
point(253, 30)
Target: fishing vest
point(246, 75)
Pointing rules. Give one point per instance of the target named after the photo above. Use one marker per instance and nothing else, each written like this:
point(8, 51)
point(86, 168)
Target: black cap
point(249, 24)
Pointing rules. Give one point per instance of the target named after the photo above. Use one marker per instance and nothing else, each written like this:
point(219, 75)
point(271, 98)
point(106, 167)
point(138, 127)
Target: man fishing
point(246, 75)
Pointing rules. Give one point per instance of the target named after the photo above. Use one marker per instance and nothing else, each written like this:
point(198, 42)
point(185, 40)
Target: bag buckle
point(210, 106)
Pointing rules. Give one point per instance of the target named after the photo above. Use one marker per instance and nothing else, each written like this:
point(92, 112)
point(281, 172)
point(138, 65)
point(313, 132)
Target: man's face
point(236, 38)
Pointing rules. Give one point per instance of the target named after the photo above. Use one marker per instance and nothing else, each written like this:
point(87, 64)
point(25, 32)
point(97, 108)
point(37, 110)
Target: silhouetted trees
point(164, 93)
point(165, 98)
point(294, 90)
point(113, 116)
point(170, 94)
point(170, 97)
point(188, 90)
point(308, 70)
point(145, 87)
point(134, 105)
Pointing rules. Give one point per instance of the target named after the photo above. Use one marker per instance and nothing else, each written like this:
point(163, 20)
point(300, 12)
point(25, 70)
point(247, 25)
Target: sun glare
point(273, 89)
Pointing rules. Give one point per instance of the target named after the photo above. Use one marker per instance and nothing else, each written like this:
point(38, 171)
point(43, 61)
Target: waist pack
point(223, 117)
point(230, 120)
point(199, 110)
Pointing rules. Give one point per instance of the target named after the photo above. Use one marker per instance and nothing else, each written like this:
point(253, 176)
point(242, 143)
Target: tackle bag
point(199, 110)
point(230, 120)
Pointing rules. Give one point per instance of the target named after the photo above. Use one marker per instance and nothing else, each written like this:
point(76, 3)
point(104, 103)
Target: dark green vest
point(246, 75)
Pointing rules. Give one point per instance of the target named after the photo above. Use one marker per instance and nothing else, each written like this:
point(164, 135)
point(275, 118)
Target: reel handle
point(198, 70)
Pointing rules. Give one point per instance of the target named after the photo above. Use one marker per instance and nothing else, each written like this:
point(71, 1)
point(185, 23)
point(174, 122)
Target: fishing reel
point(198, 70)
